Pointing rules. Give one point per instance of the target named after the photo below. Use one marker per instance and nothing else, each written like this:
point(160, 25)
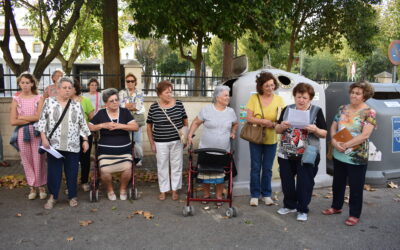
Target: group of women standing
point(297, 174)
point(65, 117)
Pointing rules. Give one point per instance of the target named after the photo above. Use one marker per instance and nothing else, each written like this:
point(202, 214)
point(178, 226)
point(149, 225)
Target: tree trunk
point(111, 45)
point(227, 63)
point(291, 54)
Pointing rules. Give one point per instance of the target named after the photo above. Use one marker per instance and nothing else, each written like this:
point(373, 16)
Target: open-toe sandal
point(351, 221)
point(331, 211)
point(161, 197)
point(175, 195)
point(73, 202)
point(50, 203)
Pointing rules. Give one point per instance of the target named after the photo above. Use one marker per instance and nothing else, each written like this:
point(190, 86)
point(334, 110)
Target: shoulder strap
point(169, 119)
point(61, 118)
point(259, 102)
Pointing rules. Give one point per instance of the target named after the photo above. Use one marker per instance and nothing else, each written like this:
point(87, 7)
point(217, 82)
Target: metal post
point(394, 75)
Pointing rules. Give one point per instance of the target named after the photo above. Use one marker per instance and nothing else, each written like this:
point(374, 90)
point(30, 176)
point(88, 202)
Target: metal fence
point(183, 84)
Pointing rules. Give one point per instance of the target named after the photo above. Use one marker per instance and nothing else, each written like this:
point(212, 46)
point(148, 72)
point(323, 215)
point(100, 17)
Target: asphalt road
point(259, 227)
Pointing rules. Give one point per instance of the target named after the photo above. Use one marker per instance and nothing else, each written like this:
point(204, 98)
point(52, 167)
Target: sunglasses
point(130, 81)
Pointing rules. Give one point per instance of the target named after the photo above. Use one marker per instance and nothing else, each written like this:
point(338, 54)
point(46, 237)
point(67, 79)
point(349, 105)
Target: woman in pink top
point(25, 111)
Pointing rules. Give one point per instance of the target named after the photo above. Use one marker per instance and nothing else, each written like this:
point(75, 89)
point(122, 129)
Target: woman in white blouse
point(65, 140)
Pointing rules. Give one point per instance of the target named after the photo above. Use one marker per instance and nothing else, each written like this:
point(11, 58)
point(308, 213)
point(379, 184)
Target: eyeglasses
point(130, 81)
point(113, 100)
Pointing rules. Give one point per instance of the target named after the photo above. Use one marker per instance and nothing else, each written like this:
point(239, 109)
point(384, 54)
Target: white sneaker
point(85, 187)
point(268, 201)
point(139, 164)
point(284, 210)
point(32, 195)
point(111, 196)
point(123, 196)
point(254, 202)
point(302, 216)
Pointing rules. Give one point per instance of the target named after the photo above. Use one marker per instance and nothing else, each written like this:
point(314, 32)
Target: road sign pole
point(394, 75)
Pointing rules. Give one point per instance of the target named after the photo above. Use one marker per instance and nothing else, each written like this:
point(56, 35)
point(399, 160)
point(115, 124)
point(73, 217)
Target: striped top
point(163, 130)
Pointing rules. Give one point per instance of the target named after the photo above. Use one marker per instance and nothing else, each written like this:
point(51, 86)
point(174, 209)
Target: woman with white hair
point(220, 125)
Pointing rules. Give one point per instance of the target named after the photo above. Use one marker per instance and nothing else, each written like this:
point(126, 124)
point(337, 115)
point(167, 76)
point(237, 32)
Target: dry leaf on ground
point(18, 215)
point(70, 238)
point(328, 196)
point(369, 188)
point(206, 208)
point(396, 199)
point(393, 185)
point(94, 210)
point(147, 215)
point(85, 223)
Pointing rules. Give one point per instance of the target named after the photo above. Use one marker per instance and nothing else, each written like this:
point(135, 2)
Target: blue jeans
point(54, 173)
point(262, 157)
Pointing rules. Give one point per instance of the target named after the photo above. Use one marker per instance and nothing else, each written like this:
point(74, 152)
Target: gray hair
point(109, 92)
point(64, 79)
point(218, 90)
point(56, 71)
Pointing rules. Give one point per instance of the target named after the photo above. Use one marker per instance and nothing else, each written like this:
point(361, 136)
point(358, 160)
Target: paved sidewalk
point(255, 227)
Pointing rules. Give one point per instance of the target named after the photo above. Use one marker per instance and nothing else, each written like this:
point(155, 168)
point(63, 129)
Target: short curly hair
point(264, 77)
point(304, 88)
point(163, 85)
point(368, 90)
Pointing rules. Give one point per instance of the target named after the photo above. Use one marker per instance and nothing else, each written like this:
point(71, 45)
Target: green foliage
point(171, 65)
point(214, 56)
point(376, 63)
point(324, 66)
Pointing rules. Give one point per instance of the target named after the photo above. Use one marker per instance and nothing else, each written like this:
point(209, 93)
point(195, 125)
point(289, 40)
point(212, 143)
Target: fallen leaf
point(369, 188)
point(94, 210)
point(138, 212)
point(314, 195)
point(328, 196)
point(398, 195)
point(182, 201)
point(113, 208)
point(285, 229)
point(248, 222)
point(396, 199)
point(393, 185)
point(206, 208)
point(129, 216)
point(147, 215)
point(70, 238)
point(225, 217)
point(18, 215)
point(85, 223)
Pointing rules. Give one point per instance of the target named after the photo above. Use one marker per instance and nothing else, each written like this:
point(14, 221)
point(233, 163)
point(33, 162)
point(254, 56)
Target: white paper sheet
point(53, 152)
point(299, 118)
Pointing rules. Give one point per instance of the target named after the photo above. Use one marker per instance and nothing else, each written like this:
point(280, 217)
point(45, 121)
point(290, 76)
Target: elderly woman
point(350, 158)
point(51, 90)
point(220, 125)
point(165, 117)
point(93, 95)
point(294, 141)
point(263, 109)
point(114, 147)
point(132, 99)
point(64, 136)
point(25, 111)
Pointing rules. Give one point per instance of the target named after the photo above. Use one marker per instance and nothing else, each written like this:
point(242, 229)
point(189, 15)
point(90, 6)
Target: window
point(37, 47)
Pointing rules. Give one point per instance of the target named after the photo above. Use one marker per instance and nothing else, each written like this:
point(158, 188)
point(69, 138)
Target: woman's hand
point(268, 123)
point(108, 125)
point(338, 145)
point(233, 135)
point(311, 128)
point(130, 106)
point(45, 143)
point(153, 147)
point(85, 146)
point(189, 140)
point(285, 125)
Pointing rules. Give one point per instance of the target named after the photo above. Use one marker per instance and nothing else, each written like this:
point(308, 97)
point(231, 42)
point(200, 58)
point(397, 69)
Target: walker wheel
point(188, 210)
point(94, 195)
point(133, 194)
point(231, 212)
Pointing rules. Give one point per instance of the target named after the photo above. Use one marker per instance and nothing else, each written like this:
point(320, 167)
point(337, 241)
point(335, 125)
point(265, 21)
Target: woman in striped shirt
point(165, 117)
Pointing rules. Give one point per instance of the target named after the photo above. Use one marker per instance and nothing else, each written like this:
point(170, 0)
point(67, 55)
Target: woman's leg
point(26, 159)
point(106, 178)
point(255, 168)
point(340, 173)
point(71, 168)
point(356, 183)
point(54, 174)
point(125, 178)
point(305, 184)
point(85, 161)
point(219, 190)
point(162, 156)
point(268, 153)
point(287, 172)
point(206, 190)
point(176, 156)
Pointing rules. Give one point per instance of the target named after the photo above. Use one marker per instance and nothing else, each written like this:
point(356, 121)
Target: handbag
point(253, 132)
point(42, 151)
point(182, 132)
point(309, 155)
point(139, 119)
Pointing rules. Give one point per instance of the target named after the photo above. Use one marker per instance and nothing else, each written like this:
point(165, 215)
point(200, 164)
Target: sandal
point(175, 195)
point(331, 211)
point(73, 202)
point(219, 203)
point(32, 194)
point(205, 197)
point(352, 221)
point(50, 203)
point(161, 197)
point(4, 164)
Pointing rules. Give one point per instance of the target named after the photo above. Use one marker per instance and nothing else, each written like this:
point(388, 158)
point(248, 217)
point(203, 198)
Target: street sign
point(394, 52)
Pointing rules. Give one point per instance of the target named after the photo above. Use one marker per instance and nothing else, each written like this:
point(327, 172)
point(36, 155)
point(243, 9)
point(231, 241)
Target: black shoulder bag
point(42, 151)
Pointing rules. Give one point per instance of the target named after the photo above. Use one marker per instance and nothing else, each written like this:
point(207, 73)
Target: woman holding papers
point(61, 124)
point(350, 158)
point(25, 111)
point(263, 109)
point(296, 138)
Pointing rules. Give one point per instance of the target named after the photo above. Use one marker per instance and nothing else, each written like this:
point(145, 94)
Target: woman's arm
point(193, 127)
point(263, 122)
point(150, 137)
point(14, 117)
point(234, 129)
point(132, 126)
point(357, 140)
point(320, 133)
point(36, 116)
point(336, 144)
point(281, 127)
